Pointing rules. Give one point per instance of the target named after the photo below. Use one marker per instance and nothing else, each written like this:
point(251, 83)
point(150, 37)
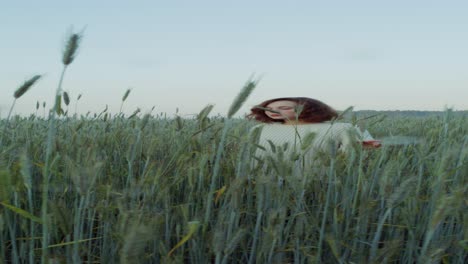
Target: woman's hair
point(314, 111)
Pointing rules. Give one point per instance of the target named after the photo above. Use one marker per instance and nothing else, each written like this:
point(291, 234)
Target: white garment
point(292, 139)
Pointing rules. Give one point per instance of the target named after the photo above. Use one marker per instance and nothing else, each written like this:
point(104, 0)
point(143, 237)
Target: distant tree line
point(409, 113)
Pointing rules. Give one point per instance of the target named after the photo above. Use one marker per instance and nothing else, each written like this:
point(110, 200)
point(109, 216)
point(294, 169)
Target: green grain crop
point(104, 188)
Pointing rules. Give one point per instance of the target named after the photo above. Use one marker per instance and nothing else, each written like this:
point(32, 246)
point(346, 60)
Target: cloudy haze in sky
point(380, 55)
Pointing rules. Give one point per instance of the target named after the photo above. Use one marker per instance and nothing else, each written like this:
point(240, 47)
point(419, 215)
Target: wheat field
point(111, 188)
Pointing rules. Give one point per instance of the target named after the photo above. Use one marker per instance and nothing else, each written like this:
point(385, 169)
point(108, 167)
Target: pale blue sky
point(382, 55)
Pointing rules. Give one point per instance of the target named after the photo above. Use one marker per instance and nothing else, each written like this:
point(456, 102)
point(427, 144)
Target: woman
point(295, 127)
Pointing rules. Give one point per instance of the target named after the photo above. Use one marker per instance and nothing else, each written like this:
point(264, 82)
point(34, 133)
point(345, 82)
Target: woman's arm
point(367, 140)
point(349, 135)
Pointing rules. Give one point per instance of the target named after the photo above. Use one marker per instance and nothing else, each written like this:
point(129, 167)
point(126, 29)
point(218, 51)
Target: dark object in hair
point(314, 111)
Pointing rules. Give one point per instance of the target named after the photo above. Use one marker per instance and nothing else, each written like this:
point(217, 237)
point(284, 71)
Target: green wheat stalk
point(68, 57)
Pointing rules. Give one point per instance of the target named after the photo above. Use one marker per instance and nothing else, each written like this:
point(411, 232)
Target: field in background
point(148, 189)
point(140, 190)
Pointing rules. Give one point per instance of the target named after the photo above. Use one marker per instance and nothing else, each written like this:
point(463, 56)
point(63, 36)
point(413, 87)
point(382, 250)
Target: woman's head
point(285, 108)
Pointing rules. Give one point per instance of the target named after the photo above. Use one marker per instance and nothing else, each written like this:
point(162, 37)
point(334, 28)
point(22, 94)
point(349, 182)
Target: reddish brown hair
point(314, 111)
